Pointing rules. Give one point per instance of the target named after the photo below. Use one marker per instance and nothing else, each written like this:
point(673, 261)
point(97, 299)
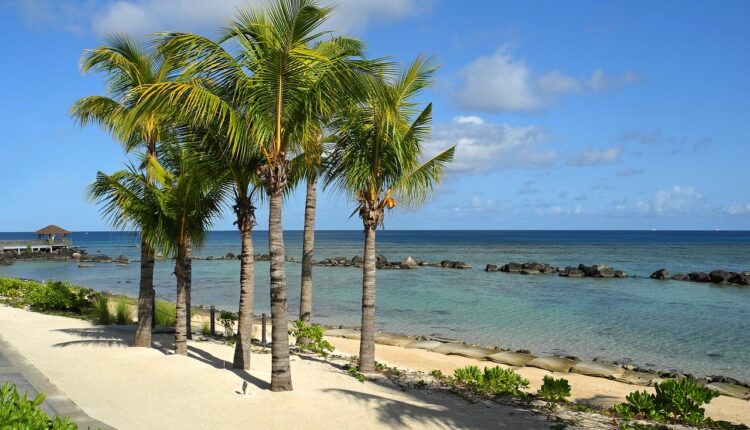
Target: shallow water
point(698, 328)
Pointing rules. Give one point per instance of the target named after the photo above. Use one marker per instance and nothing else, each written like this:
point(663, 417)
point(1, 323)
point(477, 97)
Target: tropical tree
point(377, 160)
point(127, 66)
point(278, 67)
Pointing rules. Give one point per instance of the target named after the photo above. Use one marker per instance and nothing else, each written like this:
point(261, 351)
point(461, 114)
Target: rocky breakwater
point(229, 256)
point(64, 254)
point(719, 276)
point(534, 268)
point(383, 263)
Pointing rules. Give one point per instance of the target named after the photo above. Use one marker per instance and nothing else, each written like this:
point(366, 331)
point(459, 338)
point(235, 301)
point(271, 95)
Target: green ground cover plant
point(18, 412)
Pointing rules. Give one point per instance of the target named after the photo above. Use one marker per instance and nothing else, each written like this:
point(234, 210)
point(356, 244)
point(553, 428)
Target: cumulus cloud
point(482, 146)
point(676, 200)
point(595, 157)
point(138, 17)
point(499, 82)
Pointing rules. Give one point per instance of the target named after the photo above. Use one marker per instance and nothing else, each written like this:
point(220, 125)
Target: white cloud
point(595, 157)
point(737, 208)
point(138, 17)
point(471, 119)
point(484, 146)
point(501, 83)
point(678, 199)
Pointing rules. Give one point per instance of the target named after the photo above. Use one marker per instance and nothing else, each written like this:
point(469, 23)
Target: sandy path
point(138, 388)
point(597, 391)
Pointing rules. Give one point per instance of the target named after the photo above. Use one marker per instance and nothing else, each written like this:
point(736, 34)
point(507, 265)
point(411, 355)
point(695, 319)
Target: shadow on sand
point(122, 337)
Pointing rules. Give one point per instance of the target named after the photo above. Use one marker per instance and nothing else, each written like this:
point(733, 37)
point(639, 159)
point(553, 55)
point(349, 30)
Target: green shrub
point(674, 401)
point(356, 374)
point(554, 390)
point(165, 313)
point(313, 336)
point(493, 381)
point(123, 312)
point(206, 329)
point(102, 314)
point(227, 320)
point(17, 412)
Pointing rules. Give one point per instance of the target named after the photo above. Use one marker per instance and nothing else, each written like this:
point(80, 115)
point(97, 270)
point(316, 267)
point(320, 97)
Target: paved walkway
point(16, 369)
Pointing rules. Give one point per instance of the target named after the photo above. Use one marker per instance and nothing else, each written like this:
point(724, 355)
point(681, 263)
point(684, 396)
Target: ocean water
point(698, 328)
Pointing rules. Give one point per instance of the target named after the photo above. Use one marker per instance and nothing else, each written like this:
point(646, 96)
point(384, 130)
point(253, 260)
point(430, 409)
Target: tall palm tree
point(377, 160)
point(127, 66)
point(276, 70)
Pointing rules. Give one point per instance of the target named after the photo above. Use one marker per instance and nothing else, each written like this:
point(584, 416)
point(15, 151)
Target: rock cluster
point(62, 254)
point(257, 257)
point(718, 276)
point(534, 268)
point(383, 263)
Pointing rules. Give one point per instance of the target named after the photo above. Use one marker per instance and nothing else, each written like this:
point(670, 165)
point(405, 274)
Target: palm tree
point(273, 76)
point(377, 161)
point(128, 66)
point(190, 195)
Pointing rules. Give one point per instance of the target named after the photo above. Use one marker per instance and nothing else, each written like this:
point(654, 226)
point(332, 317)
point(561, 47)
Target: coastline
point(108, 380)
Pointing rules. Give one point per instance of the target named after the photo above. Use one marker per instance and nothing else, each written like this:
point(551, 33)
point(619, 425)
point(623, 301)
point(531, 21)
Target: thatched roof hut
point(51, 231)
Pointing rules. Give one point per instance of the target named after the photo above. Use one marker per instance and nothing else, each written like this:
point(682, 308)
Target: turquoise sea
point(697, 328)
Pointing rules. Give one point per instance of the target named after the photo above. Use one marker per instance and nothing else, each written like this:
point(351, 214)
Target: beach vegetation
point(554, 390)
point(165, 313)
point(314, 340)
point(227, 320)
point(19, 412)
point(123, 312)
point(674, 401)
point(352, 371)
point(492, 381)
point(102, 314)
point(51, 296)
point(206, 329)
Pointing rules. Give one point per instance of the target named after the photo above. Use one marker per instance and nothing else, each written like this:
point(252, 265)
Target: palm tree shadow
point(122, 337)
point(444, 412)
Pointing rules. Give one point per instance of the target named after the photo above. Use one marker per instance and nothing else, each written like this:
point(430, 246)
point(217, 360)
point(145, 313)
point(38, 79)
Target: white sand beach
point(138, 388)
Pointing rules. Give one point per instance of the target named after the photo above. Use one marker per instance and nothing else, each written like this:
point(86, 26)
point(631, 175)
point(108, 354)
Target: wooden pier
point(48, 239)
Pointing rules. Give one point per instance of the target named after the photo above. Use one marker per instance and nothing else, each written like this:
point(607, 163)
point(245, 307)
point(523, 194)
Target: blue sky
point(567, 115)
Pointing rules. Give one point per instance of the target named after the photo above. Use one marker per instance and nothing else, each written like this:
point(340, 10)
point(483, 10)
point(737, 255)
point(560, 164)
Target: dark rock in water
point(699, 277)
point(511, 268)
point(587, 270)
point(603, 271)
point(740, 279)
point(532, 268)
point(620, 274)
point(490, 268)
point(719, 276)
point(461, 265)
point(123, 259)
point(572, 272)
point(381, 260)
point(230, 256)
point(660, 274)
point(680, 277)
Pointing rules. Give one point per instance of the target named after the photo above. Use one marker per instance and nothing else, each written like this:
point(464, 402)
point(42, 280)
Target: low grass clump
point(165, 313)
point(18, 412)
point(102, 314)
point(206, 329)
point(123, 312)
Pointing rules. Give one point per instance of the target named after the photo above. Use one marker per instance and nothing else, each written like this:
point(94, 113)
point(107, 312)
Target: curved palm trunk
point(308, 243)
point(180, 270)
point(245, 221)
point(188, 289)
point(367, 342)
point(281, 375)
point(145, 298)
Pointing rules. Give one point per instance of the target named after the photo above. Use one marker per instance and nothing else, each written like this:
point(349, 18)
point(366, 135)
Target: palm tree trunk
point(245, 222)
point(367, 342)
point(145, 298)
point(308, 243)
point(281, 375)
point(188, 289)
point(180, 340)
